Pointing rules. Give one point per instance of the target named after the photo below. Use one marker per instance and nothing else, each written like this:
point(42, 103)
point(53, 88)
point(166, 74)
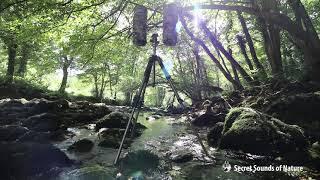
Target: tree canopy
point(85, 46)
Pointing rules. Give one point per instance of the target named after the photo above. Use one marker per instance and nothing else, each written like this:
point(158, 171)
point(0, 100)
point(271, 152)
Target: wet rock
point(208, 119)
point(12, 132)
point(139, 128)
point(214, 134)
point(111, 138)
point(141, 160)
point(43, 122)
point(22, 160)
point(113, 120)
point(181, 157)
point(38, 106)
point(254, 132)
point(175, 110)
point(107, 133)
point(110, 143)
point(83, 145)
point(100, 109)
point(78, 118)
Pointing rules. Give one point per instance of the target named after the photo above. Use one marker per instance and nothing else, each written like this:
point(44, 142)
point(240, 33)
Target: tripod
point(137, 104)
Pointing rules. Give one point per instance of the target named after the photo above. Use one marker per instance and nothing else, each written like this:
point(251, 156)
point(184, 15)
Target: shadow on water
point(149, 156)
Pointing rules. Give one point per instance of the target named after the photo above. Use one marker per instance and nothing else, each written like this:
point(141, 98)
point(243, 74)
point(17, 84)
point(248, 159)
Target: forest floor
point(30, 119)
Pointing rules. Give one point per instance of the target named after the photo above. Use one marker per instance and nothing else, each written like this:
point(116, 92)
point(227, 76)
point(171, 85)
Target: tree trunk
point(311, 44)
point(12, 53)
point(23, 60)
point(244, 52)
point(271, 36)
point(308, 42)
point(214, 59)
point(235, 73)
point(199, 72)
point(65, 67)
point(250, 44)
point(96, 88)
point(128, 97)
point(218, 44)
point(64, 81)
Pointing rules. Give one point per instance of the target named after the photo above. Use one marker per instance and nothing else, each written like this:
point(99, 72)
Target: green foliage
point(97, 34)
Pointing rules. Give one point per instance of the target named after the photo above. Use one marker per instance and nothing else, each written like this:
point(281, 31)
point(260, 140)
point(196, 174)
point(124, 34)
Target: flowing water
point(164, 136)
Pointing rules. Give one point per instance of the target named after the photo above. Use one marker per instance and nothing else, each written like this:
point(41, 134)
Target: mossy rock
point(301, 109)
point(113, 120)
point(251, 131)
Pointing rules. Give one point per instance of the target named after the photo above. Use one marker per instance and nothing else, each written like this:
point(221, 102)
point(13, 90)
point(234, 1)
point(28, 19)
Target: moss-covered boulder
point(113, 120)
point(301, 109)
point(254, 132)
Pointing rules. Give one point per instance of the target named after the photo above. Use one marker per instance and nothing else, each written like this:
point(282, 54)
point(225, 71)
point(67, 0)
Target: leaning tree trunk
point(218, 44)
point(235, 73)
point(242, 46)
point(212, 57)
point(250, 44)
point(12, 53)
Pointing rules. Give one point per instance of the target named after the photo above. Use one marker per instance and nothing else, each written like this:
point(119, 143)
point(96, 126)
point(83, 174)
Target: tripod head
point(155, 43)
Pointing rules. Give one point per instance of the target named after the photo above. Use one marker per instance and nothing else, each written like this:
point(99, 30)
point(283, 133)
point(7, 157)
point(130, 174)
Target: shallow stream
point(164, 137)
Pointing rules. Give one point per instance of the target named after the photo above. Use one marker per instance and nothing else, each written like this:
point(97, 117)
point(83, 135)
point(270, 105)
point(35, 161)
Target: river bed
point(163, 137)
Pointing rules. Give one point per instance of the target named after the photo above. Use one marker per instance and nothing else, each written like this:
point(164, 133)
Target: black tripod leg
point(136, 105)
point(168, 77)
point(135, 117)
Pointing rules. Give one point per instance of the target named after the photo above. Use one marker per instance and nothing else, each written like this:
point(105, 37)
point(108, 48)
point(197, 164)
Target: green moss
point(238, 113)
point(252, 131)
point(230, 118)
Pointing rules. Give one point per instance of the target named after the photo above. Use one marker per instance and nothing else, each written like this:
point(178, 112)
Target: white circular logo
point(226, 166)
